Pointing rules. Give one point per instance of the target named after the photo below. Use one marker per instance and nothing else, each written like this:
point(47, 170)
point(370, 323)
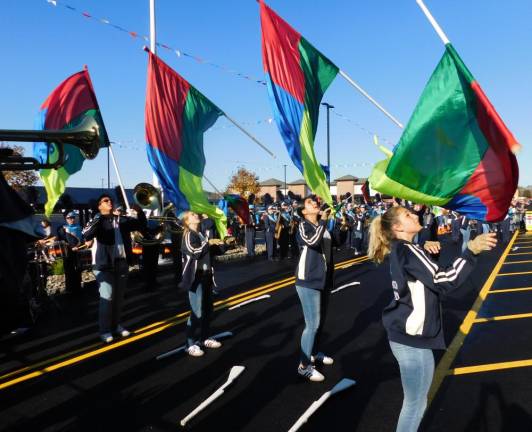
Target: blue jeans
point(111, 286)
point(313, 303)
point(200, 312)
point(417, 369)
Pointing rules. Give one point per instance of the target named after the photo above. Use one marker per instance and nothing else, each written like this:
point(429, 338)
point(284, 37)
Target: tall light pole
point(328, 106)
point(285, 191)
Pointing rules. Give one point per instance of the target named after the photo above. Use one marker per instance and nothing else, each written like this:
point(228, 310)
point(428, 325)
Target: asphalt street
point(60, 377)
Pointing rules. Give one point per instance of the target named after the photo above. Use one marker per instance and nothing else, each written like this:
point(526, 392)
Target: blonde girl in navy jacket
point(413, 319)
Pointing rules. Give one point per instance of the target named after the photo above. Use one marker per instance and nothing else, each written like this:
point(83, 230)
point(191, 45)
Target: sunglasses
point(106, 200)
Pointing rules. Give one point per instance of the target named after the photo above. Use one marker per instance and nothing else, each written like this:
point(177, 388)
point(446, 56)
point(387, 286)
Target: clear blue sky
point(388, 47)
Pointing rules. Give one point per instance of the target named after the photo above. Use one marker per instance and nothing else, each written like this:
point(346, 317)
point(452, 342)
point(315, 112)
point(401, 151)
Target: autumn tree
point(243, 182)
point(19, 180)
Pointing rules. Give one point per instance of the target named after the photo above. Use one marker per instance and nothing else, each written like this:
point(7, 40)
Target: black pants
point(250, 241)
point(150, 259)
point(283, 243)
point(72, 273)
point(271, 244)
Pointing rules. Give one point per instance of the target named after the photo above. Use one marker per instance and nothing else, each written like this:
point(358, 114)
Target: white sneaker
point(106, 337)
point(322, 358)
point(194, 351)
point(122, 331)
point(211, 343)
point(310, 373)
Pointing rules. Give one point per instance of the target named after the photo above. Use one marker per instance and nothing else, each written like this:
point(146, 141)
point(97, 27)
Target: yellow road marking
point(449, 356)
point(490, 367)
point(518, 262)
point(145, 331)
point(510, 290)
point(514, 274)
point(503, 318)
point(85, 356)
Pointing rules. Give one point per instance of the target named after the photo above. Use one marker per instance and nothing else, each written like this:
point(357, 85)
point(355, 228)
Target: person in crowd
point(358, 231)
point(270, 221)
point(292, 230)
point(108, 229)
point(284, 238)
point(250, 233)
point(413, 320)
point(70, 233)
point(197, 279)
point(46, 226)
point(314, 280)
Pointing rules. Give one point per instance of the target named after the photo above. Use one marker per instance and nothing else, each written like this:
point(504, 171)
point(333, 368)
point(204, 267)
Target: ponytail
point(381, 234)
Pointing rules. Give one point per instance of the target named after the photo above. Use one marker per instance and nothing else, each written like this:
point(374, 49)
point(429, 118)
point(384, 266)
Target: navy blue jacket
point(197, 259)
point(414, 316)
point(315, 269)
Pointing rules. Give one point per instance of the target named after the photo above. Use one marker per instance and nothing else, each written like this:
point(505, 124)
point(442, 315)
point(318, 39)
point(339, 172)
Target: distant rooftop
point(271, 182)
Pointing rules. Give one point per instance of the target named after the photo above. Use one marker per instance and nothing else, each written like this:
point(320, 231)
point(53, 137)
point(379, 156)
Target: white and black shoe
point(211, 343)
point(310, 373)
point(322, 358)
point(194, 351)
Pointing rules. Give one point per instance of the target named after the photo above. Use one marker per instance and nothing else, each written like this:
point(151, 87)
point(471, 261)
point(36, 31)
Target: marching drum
point(56, 250)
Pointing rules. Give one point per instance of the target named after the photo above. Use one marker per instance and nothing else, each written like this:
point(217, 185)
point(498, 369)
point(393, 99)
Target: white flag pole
point(433, 22)
point(119, 177)
point(367, 96)
point(255, 140)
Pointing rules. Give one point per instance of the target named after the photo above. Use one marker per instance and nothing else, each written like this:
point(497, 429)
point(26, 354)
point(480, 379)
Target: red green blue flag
point(297, 76)
point(455, 152)
point(177, 115)
point(66, 107)
point(239, 205)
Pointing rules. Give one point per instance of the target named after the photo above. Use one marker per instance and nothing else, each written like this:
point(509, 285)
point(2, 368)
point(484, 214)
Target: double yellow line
point(87, 352)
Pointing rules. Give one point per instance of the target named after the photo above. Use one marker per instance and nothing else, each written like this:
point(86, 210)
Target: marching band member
point(285, 218)
point(198, 281)
point(110, 267)
point(292, 230)
point(413, 319)
point(314, 279)
point(249, 233)
point(270, 221)
point(358, 231)
point(71, 234)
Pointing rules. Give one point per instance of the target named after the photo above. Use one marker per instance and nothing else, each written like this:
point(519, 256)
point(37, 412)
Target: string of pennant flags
point(137, 144)
point(138, 36)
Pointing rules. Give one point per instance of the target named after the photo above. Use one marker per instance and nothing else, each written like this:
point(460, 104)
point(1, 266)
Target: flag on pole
point(177, 116)
point(66, 107)
point(297, 76)
point(455, 152)
point(239, 205)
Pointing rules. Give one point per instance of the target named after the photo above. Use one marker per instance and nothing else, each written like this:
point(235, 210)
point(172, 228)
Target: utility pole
point(285, 191)
point(328, 106)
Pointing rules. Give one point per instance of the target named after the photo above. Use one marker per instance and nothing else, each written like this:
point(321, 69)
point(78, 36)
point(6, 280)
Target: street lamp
point(285, 191)
point(328, 106)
